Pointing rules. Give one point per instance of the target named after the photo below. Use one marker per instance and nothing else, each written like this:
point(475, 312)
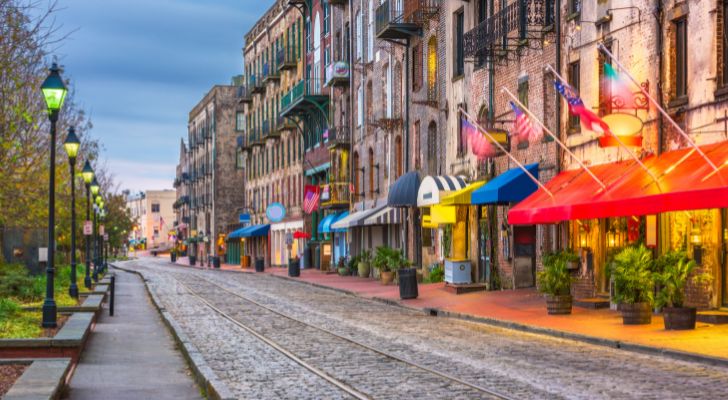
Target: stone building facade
point(182, 202)
point(154, 215)
point(215, 183)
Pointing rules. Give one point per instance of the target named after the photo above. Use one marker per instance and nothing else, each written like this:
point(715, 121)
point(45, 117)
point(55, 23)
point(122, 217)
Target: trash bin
point(307, 257)
point(259, 264)
point(408, 283)
point(216, 261)
point(294, 268)
point(173, 256)
point(193, 259)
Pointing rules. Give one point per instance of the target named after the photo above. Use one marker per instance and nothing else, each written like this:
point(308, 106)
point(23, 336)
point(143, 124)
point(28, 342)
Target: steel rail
point(341, 385)
point(360, 344)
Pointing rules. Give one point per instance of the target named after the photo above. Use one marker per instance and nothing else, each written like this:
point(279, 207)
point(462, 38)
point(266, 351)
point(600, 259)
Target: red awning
point(301, 235)
point(686, 182)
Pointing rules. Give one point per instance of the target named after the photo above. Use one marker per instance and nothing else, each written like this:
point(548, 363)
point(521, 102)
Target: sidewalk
point(526, 309)
point(132, 355)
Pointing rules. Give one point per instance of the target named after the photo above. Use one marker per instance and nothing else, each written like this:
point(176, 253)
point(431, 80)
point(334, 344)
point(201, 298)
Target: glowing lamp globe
point(54, 90)
point(87, 173)
point(94, 187)
point(623, 124)
point(72, 144)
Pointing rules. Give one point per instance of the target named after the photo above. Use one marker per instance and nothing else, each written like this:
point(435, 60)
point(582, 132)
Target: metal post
point(111, 295)
point(73, 289)
point(49, 304)
point(87, 279)
point(96, 247)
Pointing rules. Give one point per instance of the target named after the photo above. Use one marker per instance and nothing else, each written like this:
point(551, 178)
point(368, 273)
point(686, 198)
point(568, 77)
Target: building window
point(523, 98)
point(398, 156)
point(432, 69)
point(573, 77)
point(370, 32)
point(325, 5)
point(416, 67)
point(574, 8)
point(462, 140)
point(359, 106)
point(459, 26)
point(359, 40)
point(482, 16)
point(681, 57)
point(355, 165)
point(155, 207)
point(240, 121)
point(371, 172)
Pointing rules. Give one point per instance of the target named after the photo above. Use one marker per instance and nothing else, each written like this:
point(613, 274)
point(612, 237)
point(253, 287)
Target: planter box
point(44, 379)
point(68, 342)
point(91, 304)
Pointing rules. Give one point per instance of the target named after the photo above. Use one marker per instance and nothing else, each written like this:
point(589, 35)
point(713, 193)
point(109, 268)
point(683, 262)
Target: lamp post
point(54, 93)
point(97, 203)
point(71, 145)
point(92, 189)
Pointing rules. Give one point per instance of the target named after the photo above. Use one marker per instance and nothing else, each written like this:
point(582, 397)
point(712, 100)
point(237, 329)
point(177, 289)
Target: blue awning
point(325, 224)
point(403, 192)
point(338, 218)
point(236, 234)
point(511, 186)
point(256, 230)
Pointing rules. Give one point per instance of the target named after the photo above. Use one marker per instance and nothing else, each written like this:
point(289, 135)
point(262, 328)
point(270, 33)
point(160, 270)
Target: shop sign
point(244, 218)
point(275, 212)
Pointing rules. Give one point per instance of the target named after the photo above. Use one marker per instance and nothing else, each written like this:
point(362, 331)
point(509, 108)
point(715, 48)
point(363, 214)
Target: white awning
point(432, 187)
point(385, 216)
point(355, 218)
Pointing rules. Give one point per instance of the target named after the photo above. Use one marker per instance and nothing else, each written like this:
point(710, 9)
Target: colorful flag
point(589, 121)
point(479, 144)
point(310, 199)
point(523, 128)
point(619, 88)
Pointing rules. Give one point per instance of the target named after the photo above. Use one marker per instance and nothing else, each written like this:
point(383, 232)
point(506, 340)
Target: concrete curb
point(204, 375)
point(616, 344)
point(44, 379)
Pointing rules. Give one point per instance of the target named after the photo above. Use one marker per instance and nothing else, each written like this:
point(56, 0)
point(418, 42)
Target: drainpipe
point(406, 131)
point(659, 44)
point(557, 22)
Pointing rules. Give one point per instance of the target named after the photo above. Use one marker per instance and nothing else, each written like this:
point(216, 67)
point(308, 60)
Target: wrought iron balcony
point(304, 97)
point(510, 28)
point(335, 195)
point(270, 73)
point(243, 95)
point(339, 136)
point(255, 138)
point(402, 19)
point(285, 124)
point(286, 59)
point(256, 84)
point(338, 74)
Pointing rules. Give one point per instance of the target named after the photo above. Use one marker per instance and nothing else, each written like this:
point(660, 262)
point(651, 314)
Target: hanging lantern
point(626, 127)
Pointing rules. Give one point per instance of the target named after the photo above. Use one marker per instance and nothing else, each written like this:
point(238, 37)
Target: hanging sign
point(275, 212)
point(244, 218)
point(87, 228)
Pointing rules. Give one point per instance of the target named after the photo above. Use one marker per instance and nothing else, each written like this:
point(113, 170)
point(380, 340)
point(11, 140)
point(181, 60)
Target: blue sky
point(138, 67)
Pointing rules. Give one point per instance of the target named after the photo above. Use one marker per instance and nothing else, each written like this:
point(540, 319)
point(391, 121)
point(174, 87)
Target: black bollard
point(111, 295)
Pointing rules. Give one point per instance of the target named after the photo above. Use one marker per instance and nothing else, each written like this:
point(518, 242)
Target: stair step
point(713, 317)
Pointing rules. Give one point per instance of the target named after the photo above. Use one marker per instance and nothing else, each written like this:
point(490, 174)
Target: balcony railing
point(265, 129)
point(336, 194)
point(402, 19)
point(286, 59)
point(510, 28)
point(284, 124)
point(270, 73)
point(338, 136)
point(256, 83)
point(304, 88)
point(338, 73)
point(255, 137)
point(243, 95)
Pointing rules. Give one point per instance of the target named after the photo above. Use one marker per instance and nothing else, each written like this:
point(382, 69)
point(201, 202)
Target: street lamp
point(97, 207)
point(71, 145)
point(54, 93)
point(88, 179)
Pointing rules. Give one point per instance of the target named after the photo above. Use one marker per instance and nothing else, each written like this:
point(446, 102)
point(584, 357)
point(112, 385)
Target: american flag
point(589, 121)
point(523, 128)
point(311, 198)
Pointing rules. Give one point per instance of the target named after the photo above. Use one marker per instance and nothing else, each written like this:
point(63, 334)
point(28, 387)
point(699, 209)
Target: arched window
point(432, 148)
point(432, 69)
point(371, 172)
point(398, 156)
point(397, 90)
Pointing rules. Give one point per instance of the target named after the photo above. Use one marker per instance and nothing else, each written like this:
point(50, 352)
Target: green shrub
point(555, 279)
point(437, 274)
point(15, 281)
point(673, 274)
point(8, 309)
point(633, 280)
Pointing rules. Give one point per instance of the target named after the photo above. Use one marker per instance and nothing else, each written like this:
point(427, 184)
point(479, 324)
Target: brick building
point(182, 200)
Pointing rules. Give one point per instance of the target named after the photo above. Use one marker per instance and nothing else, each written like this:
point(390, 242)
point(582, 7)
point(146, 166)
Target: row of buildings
point(350, 129)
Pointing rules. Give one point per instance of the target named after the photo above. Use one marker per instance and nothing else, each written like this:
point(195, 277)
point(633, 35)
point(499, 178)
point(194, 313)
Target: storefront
point(674, 201)
point(335, 240)
point(281, 236)
point(359, 238)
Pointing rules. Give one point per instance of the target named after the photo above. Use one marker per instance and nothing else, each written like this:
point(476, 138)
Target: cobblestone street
point(422, 356)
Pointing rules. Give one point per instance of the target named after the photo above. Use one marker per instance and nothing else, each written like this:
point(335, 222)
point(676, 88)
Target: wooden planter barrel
point(636, 314)
point(558, 305)
point(679, 318)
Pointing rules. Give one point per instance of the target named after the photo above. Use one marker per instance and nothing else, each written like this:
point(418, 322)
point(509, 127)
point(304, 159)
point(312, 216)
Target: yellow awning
point(442, 214)
point(462, 196)
point(427, 222)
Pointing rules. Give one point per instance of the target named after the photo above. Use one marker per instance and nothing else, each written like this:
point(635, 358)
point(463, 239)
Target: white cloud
point(140, 176)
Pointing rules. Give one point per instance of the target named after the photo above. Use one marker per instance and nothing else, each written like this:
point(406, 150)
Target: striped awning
point(354, 219)
point(385, 216)
point(432, 186)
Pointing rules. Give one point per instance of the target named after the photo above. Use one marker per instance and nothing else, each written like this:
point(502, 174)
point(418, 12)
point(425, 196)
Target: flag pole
point(654, 102)
point(619, 141)
point(566, 149)
point(492, 139)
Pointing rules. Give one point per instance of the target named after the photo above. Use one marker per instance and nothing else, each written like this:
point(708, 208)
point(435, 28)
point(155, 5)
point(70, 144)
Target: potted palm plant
point(675, 273)
point(364, 263)
point(634, 284)
point(383, 262)
point(342, 268)
point(555, 282)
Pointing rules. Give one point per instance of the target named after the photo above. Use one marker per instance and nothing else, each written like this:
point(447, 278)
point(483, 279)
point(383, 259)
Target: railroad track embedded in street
point(305, 344)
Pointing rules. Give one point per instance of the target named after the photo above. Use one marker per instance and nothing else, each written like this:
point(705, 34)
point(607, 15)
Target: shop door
point(484, 249)
point(524, 256)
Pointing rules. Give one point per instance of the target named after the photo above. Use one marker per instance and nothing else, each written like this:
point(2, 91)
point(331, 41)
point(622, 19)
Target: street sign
point(101, 229)
point(275, 212)
point(106, 237)
point(42, 254)
point(244, 218)
point(88, 228)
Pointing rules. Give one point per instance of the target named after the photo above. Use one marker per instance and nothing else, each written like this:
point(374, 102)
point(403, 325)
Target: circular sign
point(275, 212)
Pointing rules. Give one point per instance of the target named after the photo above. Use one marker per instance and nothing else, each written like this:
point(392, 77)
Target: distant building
point(154, 216)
